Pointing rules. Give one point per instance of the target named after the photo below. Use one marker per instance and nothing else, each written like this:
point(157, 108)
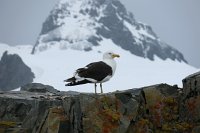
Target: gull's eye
point(110, 53)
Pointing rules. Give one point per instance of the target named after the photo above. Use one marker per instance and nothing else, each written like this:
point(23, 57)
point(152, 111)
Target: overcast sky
point(177, 22)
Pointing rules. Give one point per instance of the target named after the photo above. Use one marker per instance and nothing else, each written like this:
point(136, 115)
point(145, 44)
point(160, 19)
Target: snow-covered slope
point(20, 49)
point(54, 65)
point(84, 24)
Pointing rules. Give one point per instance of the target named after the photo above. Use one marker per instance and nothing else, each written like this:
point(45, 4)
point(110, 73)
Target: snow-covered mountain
point(85, 24)
point(54, 65)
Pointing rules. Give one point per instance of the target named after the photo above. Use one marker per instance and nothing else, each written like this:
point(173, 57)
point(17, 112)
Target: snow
point(144, 32)
point(139, 34)
point(20, 49)
point(132, 29)
point(146, 51)
point(194, 74)
point(75, 27)
point(54, 65)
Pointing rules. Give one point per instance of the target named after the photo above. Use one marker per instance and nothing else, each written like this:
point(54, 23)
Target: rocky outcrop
point(38, 87)
point(159, 108)
point(13, 72)
point(192, 85)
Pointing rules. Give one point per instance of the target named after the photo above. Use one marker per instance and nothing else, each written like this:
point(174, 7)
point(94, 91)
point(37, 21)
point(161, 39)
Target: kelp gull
point(96, 72)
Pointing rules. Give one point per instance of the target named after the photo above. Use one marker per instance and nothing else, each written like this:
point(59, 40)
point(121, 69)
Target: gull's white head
point(110, 55)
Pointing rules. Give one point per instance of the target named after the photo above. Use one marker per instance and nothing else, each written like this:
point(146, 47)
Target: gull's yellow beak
point(115, 55)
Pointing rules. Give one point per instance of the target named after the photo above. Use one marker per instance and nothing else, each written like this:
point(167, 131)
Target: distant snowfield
point(54, 65)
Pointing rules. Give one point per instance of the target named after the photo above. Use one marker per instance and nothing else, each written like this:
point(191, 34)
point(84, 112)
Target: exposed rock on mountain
point(84, 24)
point(158, 108)
point(13, 72)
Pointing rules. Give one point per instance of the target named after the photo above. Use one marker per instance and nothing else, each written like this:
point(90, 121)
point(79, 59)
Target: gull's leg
point(101, 87)
point(95, 87)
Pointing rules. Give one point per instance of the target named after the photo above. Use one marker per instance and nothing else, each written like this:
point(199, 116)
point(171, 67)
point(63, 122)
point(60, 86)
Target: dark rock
point(55, 121)
point(39, 112)
point(124, 97)
point(157, 108)
point(38, 87)
point(13, 72)
point(191, 85)
point(191, 98)
point(69, 93)
point(196, 129)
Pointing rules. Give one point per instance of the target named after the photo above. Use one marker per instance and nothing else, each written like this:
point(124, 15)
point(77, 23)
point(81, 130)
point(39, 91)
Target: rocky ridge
point(14, 72)
point(159, 108)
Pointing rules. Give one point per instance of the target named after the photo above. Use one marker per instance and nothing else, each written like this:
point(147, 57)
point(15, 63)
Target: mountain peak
point(83, 24)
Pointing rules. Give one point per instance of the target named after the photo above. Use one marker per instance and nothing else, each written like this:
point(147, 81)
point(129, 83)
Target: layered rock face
point(14, 72)
point(158, 108)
